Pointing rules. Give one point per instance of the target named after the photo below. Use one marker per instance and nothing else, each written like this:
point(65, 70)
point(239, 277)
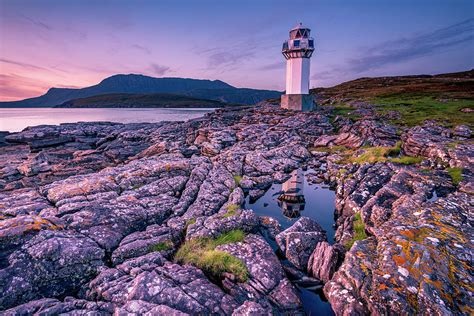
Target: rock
point(51, 264)
point(267, 279)
point(325, 260)
point(249, 308)
point(70, 305)
point(222, 222)
point(462, 131)
point(298, 242)
point(153, 279)
point(95, 211)
point(154, 238)
point(139, 307)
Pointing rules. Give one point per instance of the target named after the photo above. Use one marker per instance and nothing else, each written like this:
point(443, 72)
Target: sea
point(17, 119)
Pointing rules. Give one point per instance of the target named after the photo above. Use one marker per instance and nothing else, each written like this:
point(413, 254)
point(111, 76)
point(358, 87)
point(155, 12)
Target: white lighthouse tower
point(297, 51)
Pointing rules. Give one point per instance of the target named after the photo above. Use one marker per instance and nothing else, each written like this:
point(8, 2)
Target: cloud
point(273, 66)
point(37, 23)
point(403, 50)
point(228, 58)
point(14, 87)
point(21, 64)
point(159, 70)
point(141, 48)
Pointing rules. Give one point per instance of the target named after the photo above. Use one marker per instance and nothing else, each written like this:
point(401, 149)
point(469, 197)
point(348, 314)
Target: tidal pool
point(301, 198)
point(288, 201)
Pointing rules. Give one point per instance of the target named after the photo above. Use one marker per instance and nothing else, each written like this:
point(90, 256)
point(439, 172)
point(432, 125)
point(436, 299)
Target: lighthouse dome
point(299, 31)
point(300, 44)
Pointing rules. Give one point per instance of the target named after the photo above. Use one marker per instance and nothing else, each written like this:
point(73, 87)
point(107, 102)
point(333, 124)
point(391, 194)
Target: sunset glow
point(79, 43)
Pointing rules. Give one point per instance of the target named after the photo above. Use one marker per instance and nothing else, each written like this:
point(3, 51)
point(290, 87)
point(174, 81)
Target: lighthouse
point(297, 51)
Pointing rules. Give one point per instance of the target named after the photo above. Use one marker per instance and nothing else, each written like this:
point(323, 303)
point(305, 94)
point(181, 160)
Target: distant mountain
point(139, 84)
point(154, 100)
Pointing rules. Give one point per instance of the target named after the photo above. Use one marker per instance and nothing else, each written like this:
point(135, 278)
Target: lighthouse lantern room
point(297, 51)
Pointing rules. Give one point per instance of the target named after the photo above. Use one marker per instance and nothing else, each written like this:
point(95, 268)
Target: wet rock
point(325, 260)
point(298, 242)
point(270, 227)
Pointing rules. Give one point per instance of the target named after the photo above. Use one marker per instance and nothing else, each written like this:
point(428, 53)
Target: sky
point(77, 43)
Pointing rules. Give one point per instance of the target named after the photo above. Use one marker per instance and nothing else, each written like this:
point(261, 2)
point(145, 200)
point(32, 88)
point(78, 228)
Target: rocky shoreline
point(92, 216)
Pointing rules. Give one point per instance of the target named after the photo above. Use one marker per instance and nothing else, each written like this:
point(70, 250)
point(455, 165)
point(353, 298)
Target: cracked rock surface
point(91, 215)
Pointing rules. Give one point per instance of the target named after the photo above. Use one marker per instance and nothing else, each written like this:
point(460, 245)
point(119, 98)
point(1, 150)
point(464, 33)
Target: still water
point(16, 119)
point(286, 203)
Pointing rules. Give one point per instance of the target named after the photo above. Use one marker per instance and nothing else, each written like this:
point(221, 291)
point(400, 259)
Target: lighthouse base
point(298, 102)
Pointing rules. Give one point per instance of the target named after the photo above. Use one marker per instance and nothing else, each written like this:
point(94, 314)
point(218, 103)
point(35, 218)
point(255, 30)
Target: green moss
point(358, 227)
point(342, 171)
point(231, 210)
point(237, 179)
point(230, 237)
point(455, 174)
point(344, 111)
point(395, 150)
point(407, 160)
point(373, 154)
point(201, 253)
point(415, 109)
point(161, 246)
point(189, 222)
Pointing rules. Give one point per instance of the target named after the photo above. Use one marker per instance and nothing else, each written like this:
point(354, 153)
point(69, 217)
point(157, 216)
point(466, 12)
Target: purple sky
point(77, 43)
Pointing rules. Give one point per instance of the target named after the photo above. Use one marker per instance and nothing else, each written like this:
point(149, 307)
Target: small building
point(297, 51)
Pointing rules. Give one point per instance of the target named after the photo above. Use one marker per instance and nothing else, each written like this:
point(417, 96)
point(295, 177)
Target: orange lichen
point(399, 260)
point(382, 286)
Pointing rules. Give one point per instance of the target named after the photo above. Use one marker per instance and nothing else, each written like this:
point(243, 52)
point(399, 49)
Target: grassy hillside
point(157, 100)
point(407, 100)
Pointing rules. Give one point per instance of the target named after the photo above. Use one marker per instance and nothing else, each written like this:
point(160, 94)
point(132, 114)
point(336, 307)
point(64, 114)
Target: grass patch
point(407, 160)
point(395, 150)
point(191, 221)
point(371, 155)
point(231, 210)
point(414, 110)
point(359, 231)
point(455, 174)
point(345, 111)
point(237, 180)
point(161, 246)
point(201, 253)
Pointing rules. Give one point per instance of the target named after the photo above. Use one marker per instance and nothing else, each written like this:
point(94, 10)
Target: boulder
point(299, 241)
point(325, 260)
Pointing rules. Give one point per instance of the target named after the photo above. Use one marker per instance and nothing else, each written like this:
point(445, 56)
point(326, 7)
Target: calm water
point(15, 120)
point(316, 201)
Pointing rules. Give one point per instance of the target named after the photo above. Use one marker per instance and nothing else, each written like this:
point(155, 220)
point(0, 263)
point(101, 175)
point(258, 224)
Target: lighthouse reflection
point(292, 201)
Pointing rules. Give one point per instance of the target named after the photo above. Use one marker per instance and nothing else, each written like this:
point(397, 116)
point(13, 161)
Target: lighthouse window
point(296, 43)
point(311, 43)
